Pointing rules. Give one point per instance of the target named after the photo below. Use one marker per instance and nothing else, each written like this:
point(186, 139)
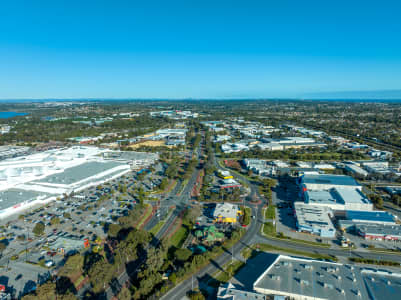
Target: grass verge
point(229, 270)
point(183, 185)
point(266, 247)
point(374, 262)
point(269, 229)
point(145, 216)
point(270, 212)
point(179, 237)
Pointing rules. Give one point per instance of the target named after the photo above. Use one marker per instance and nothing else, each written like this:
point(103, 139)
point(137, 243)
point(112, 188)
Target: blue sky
point(199, 49)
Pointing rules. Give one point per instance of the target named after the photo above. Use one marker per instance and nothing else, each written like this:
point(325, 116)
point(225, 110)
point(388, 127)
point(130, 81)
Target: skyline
point(70, 50)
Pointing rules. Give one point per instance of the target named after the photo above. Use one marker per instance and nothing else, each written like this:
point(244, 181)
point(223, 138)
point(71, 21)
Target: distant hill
point(357, 95)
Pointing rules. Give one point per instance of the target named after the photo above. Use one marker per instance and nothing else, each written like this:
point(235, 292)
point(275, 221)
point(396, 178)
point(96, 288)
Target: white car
point(49, 263)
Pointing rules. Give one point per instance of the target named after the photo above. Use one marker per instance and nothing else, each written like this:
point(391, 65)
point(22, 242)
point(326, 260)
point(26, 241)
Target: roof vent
point(328, 285)
point(275, 277)
point(305, 282)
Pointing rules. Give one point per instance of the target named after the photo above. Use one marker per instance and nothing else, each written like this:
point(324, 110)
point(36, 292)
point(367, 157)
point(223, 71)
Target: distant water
point(10, 114)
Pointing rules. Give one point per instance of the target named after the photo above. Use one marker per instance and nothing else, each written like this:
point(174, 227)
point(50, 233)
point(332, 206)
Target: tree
point(196, 295)
point(47, 291)
point(55, 221)
point(38, 229)
point(2, 247)
point(113, 230)
point(124, 294)
point(21, 237)
point(67, 215)
point(173, 278)
point(182, 254)
point(163, 184)
point(73, 264)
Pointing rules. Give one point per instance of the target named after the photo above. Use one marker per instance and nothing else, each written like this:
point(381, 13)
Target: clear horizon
point(208, 50)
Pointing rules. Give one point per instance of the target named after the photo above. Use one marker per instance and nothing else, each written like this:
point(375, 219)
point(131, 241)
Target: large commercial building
point(339, 199)
point(314, 219)
point(312, 182)
point(308, 279)
point(341, 194)
point(45, 176)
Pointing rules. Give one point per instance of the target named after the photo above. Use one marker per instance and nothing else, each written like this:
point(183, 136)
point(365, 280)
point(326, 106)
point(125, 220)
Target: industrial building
point(233, 147)
point(221, 138)
point(260, 167)
point(339, 199)
point(377, 167)
point(314, 219)
point(379, 232)
point(226, 213)
point(270, 146)
point(354, 218)
point(307, 279)
point(393, 190)
point(312, 182)
point(376, 217)
point(355, 169)
point(174, 114)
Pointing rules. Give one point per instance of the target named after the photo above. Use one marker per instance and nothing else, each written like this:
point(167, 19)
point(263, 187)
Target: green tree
point(49, 290)
point(113, 230)
point(163, 184)
point(38, 229)
point(182, 254)
point(55, 221)
point(124, 294)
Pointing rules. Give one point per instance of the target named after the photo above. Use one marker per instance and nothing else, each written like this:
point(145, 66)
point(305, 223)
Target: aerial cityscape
point(182, 150)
